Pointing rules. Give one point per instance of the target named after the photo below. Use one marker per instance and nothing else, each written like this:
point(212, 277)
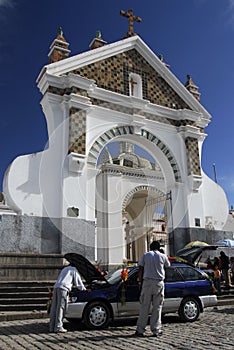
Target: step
point(226, 301)
point(24, 295)
point(25, 286)
point(23, 301)
point(21, 307)
point(29, 266)
point(14, 259)
point(22, 315)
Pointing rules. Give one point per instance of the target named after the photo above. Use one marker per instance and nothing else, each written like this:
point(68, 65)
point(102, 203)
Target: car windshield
point(114, 276)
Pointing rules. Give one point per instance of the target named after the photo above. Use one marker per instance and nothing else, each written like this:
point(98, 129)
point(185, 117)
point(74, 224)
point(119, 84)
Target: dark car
point(188, 290)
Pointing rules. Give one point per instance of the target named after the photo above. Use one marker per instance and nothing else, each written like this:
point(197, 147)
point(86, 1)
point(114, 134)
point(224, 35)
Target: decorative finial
point(60, 31)
point(188, 76)
point(160, 57)
point(98, 34)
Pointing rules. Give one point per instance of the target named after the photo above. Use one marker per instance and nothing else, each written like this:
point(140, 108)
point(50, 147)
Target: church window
point(135, 85)
point(128, 163)
point(197, 222)
point(73, 212)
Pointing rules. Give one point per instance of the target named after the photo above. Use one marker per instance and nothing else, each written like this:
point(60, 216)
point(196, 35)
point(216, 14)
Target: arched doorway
point(144, 220)
point(130, 190)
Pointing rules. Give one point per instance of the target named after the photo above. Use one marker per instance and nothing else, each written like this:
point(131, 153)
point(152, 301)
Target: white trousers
point(58, 309)
point(152, 293)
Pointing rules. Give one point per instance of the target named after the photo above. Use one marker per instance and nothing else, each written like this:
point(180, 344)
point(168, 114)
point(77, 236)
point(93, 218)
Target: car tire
point(189, 310)
point(97, 315)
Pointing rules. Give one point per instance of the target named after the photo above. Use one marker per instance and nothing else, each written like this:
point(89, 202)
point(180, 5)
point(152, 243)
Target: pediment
point(109, 66)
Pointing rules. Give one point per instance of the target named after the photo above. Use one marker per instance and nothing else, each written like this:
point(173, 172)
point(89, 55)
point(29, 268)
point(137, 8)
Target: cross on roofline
point(131, 19)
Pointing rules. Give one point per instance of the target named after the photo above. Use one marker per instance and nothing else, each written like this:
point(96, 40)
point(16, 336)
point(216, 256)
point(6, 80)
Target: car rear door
point(174, 289)
point(195, 283)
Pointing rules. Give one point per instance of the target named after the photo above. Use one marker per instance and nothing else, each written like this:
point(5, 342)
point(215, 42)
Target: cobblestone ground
point(214, 330)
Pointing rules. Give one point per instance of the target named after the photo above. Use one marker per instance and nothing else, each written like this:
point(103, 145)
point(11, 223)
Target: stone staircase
point(24, 300)
point(227, 297)
point(25, 281)
point(24, 296)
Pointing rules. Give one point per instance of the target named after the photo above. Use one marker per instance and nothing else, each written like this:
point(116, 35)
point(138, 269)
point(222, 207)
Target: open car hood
point(87, 270)
point(192, 254)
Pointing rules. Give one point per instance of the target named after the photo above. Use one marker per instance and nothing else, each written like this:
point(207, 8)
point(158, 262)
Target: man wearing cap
point(68, 278)
point(151, 281)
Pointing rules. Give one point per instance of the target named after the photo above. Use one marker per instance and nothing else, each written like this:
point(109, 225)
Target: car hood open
point(192, 254)
point(87, 270)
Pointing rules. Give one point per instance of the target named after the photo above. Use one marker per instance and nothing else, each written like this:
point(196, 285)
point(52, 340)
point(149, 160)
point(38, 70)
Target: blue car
point(188, 290)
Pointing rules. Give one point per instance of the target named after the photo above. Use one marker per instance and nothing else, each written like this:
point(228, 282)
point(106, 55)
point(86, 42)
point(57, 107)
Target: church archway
point(144, 218)
point(128, 183)
point(125, 130)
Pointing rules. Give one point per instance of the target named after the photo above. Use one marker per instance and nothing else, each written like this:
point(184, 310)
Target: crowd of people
point(223, 267)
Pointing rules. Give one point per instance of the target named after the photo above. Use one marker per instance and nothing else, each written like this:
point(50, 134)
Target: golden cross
point(131, 19)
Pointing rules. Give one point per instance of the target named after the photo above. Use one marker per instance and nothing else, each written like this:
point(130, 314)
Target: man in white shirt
point(68, 278)
point(151, 280)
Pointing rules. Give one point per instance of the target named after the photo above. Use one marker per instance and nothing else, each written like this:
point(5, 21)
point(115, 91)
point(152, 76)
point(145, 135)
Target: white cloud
point(230, 12)
point(7, 3)
point(232, 185)
point(231, 4)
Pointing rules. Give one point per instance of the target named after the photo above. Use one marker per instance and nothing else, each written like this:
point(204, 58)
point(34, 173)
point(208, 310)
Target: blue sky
point(196, 37)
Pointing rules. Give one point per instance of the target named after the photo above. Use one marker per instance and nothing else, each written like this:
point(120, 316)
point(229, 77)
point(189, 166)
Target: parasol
point(196, 244)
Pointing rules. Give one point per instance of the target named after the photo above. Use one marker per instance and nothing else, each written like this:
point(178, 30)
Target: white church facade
point(123, 162)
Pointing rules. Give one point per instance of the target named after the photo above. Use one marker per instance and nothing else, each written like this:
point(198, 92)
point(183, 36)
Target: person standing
point(232, 269)
point(224, 267)
point(67, 278)
point(217, 279)
point(151, 281)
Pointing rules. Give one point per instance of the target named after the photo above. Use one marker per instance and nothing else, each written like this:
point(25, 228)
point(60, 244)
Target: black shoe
point(138, 334)
point(157, 334)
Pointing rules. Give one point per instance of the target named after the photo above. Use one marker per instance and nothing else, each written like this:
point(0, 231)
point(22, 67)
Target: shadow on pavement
point(229, 311)
point(41, 326)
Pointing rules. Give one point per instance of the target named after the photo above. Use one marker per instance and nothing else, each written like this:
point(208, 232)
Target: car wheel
point(189, 310)
point(97, 315)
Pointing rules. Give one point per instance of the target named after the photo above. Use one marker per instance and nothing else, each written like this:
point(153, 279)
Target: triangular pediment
point(110, 65)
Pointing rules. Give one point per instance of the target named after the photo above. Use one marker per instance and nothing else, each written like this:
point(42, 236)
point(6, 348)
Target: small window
point(73, 212)
point(133, 278)
point(135, 85)
point(190, 274)
point(172, 275)
point(128, 163)
point(197, 222)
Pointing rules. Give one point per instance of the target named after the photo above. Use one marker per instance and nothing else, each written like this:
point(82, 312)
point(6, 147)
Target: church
point(122, 166)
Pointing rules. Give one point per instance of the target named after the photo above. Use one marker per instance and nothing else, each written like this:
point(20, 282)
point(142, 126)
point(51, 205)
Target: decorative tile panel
point(193, 158)
point(77, 131)
point(113, 74)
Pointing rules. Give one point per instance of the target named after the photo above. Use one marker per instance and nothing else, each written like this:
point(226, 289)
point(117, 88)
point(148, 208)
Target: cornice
point(191, 131)
point(127, 171)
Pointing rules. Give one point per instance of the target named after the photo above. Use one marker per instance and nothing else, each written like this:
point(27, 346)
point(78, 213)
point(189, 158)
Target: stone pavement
point(214, 330)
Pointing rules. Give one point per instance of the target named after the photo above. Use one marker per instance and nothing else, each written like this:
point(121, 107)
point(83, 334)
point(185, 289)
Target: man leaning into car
point(68, 277)
point(151, 280)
